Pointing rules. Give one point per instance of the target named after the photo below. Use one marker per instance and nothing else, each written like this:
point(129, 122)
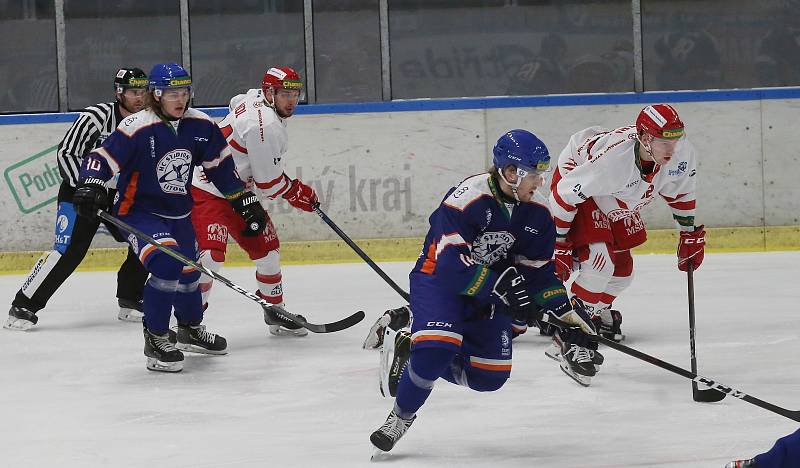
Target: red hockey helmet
point(661, 121)
point(281, 78)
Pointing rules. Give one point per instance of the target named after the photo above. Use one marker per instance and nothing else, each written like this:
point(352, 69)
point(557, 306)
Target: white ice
point(75, 391)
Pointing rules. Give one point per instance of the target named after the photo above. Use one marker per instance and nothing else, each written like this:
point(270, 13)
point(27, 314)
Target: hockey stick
point(361, 253)
point(275, 310)
point(691, 375)
point(699, 379)
point(726, 390)
point(708, 395)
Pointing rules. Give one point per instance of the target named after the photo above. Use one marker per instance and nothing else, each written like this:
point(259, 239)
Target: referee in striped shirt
point(73, 234)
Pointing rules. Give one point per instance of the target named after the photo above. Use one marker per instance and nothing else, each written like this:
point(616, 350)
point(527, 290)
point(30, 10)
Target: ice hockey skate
point(742, 464)
point(20, 319)
point(130, 311)
point(554, 351)
point(609, 324)
point(394, 356)
point(392, 318)
point(393, 429)
point(579, 363)
point(195, 339)
point(280, 327)
point(161, 355)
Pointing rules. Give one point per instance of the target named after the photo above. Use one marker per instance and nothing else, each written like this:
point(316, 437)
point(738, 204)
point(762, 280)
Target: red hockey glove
point(690, 248)
point(562, 255)
point(301, 196)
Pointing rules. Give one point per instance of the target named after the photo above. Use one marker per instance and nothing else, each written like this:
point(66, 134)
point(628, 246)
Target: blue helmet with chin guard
point(522, 149)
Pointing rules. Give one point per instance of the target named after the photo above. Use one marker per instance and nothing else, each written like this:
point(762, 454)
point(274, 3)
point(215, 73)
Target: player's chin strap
point(647, 148)
point(513, 186)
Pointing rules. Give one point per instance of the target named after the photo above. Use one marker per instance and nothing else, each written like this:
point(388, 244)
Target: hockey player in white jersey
point(255, 129)
point(603, 180)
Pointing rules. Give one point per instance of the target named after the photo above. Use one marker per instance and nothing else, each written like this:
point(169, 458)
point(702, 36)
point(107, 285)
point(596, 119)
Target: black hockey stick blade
point(707, 395)
point(276, 310)
point(699, 379)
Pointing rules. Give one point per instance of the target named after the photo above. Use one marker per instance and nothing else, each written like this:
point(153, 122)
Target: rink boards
point(381, 168)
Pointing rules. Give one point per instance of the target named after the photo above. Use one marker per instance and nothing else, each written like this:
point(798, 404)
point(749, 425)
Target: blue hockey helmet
point(523, 150)
point(168, 75)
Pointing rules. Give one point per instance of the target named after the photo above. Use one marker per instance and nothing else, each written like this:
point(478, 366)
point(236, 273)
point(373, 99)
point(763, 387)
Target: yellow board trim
point(718, 240)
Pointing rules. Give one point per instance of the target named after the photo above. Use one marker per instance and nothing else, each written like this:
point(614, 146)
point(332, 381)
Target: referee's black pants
point(53, 268)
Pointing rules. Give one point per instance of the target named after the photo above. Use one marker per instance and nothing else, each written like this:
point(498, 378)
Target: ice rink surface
point(76, 393)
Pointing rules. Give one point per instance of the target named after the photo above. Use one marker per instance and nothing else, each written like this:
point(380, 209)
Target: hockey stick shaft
point(361, 253)
point(702, 395)
point(699, 379)
point(279, 312)
point(717, 386)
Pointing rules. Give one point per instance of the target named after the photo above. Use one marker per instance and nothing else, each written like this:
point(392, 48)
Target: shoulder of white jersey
point(470, 190)
point(597, 142)
point(135, 122)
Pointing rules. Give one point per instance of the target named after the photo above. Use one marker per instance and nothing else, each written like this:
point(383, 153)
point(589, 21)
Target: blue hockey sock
point(159, 291)
point(424, 367)
point(188, 300)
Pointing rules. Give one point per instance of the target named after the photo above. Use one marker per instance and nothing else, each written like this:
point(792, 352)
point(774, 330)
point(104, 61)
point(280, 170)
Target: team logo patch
point(173, 171)
point(491, 247)
point(504, 339)
point(217, 233)
point(62, 223)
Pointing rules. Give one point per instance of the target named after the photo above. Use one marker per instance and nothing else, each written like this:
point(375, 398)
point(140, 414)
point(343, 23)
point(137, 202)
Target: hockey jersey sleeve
point(107, 160)
point(580, 175)
point(536, 266)
point(449, 254)
point(218, 165)
point(264, 150)
point(680, 194)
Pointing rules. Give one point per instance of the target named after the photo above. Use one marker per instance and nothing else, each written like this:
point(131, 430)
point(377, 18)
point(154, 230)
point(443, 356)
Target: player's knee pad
point(428, 364)
point(481, 383)
point(164, 267)
point(189, 280)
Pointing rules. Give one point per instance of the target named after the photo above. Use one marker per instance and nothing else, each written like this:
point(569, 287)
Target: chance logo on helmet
point(661, 121)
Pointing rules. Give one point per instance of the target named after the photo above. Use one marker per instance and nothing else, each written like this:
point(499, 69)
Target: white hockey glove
point(394, 318)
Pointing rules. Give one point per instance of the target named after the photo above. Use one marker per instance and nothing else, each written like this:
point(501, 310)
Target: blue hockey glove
point(510, 287)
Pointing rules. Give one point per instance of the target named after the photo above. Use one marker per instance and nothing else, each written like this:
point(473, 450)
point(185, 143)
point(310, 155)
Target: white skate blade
point(199, 349)
point(129, 315)
point(17, 324)
point(553, 352)
point(154, 364)
point(279, 330)
point(378, 455)
point(583, 380)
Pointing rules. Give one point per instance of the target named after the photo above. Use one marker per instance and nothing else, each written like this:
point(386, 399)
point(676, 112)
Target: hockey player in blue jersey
point(154, 152)
point(784, 454)
point(487, 258)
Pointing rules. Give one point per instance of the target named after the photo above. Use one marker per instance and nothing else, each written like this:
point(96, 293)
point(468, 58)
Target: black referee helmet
point(129, 78)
